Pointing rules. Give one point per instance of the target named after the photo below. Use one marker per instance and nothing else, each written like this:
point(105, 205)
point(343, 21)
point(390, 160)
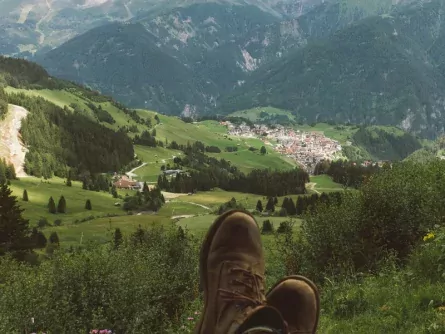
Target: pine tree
point(52, 206)
point(88, 205)
point(38, 239)
point(54, 239)
point(118, 238)
point(61, 206)
point(300, 206)
point(259, 206)
point(68, 182)
point(2, 173)
point(291, 209)
point(275, 200)
point(114, 192)
point(25, 196)
point(270, 206)
point(263, 150)
point(14, 228)
point(145, 189)
point(285, 203)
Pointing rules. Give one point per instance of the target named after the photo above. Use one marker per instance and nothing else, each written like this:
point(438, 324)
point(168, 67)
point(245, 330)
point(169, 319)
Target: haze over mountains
point(376, 62)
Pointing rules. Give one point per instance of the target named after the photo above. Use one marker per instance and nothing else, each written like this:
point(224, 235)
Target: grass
point(324, 183)
point(101, 230)
point(40, 191)
point(64, 98)
point(155, 157)
point(254, 114)
point(201, 224)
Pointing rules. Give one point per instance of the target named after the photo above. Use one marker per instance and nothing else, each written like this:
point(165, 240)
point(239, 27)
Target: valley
point(142, 121)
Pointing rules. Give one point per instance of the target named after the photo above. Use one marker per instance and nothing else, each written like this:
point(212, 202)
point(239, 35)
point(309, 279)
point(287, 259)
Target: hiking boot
point(298, 301)
point(231, 273)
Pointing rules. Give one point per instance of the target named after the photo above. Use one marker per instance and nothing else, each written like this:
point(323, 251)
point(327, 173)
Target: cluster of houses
point(307, 148)
point(128, 183)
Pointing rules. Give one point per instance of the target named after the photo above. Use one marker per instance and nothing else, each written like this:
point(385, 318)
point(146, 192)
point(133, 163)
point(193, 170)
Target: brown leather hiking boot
point(298, 301)
point(232, 274)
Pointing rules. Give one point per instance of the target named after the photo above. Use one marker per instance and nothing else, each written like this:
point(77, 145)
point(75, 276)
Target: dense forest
point(205, 173)
point(58, 139)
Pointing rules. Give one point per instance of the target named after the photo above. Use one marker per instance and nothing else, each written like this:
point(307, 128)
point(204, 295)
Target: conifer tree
point(88, 205)
point(14, 228)
point(2, 173)
point(114, 192)
point(38, 239)
point(291, 209)
point(68, 182)
point(25, 196)
point(52, 206)
point(270, 206)
point(61, 207)
point(118, 238)
point(54, 239)
point(275, 200)
point(263, 150)
point(259, 206)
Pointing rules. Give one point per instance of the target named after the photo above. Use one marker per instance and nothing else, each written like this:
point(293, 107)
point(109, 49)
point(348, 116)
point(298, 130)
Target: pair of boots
point(232, 271)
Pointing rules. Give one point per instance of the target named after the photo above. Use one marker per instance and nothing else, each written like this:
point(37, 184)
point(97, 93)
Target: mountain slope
point(123, 60)
point(379, 71)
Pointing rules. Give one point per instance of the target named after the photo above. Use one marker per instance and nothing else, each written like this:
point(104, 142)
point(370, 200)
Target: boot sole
point(308, 282)
point(203, 257)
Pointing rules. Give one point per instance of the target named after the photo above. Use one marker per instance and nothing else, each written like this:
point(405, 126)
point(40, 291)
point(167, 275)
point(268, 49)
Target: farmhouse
point(126, 183)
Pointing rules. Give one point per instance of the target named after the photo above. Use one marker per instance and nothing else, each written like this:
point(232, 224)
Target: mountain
point(218, 44)
point(29, 26)
point(124, 60)
point(386, 69)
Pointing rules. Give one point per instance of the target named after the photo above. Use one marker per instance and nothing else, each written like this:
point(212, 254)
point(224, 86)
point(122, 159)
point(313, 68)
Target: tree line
point(59, 140)
point(7, 171)
point(347, 173)
point(205, 173)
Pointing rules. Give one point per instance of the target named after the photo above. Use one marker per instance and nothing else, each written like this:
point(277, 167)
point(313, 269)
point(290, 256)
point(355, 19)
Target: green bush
point(428, 261)
point(139, 287)
point(389, 214)
point(285, 227)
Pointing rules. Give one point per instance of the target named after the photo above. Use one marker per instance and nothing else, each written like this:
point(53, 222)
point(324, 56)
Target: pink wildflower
point(189, 318)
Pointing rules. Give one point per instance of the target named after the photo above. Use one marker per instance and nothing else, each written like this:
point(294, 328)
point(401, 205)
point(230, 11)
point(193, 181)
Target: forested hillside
point(381, 70)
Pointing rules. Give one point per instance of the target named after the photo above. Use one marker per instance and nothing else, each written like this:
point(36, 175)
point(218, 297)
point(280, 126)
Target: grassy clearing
point(64, 98)
point(201, 224)
point(179, 208)
point(324, 183)
point(40, 191)
point(256, 114)
point(101, 230)
point(155, 157)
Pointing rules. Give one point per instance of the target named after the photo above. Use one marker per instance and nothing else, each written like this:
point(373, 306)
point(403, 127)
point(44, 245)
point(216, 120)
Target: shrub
point(428, 261)
point(57, 222)
point(387, 216)
point(267, 227)
point(43, 222)
point(92, 280)
point(285, 227)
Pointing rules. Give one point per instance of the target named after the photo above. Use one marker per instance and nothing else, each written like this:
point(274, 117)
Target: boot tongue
point(262, 319)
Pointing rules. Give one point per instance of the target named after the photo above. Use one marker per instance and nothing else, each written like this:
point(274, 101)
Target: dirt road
point(11, 145)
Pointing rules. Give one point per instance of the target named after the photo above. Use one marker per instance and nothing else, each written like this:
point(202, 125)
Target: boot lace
point(253, 293)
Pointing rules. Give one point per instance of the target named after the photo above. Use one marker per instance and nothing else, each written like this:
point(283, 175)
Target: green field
point(39, 192)
point(324, 183)
point(155, 157)
point(64, 98)
point(255, 114)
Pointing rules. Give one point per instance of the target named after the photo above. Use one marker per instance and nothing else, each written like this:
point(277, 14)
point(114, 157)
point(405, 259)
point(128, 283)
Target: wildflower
point(190, 318)
point(197, 312)
point(441, 309)
point(429, 236)
point(94, 331)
